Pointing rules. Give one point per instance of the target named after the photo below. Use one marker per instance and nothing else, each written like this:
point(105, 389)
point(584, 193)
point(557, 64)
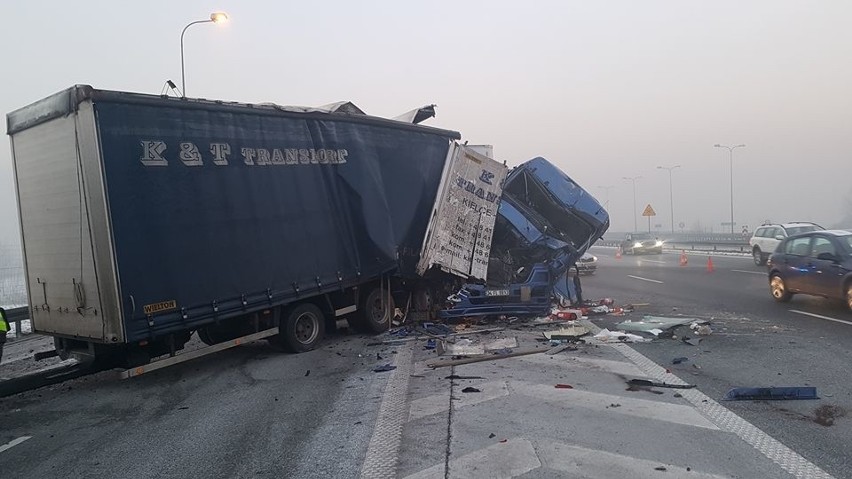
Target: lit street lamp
point(671, 196)
point(731, 154)
point(215, 17)
point(633, 179)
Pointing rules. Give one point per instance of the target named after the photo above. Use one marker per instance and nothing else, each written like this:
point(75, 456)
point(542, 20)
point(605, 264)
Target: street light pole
point(633, 179)
point(671, 195)
point(606, 188)
point(731, 156)
point(215, 17)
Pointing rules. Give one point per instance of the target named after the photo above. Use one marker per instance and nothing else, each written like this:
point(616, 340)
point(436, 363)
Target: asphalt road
point(756, 342)
point(244, 412)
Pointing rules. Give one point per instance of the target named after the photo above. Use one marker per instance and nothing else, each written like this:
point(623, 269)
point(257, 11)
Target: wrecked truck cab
point(544, 224)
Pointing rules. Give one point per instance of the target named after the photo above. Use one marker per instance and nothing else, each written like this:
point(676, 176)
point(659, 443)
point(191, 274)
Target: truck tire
point(372, 317)
point(301, 329)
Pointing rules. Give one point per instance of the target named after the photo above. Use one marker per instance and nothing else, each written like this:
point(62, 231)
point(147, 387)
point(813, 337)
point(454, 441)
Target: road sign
point(649, 211)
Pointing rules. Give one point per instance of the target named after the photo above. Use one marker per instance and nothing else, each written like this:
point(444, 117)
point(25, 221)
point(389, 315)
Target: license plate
point(497, 292)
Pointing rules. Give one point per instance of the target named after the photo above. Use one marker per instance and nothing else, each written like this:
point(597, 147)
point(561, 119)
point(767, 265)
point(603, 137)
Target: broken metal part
point(771, 393)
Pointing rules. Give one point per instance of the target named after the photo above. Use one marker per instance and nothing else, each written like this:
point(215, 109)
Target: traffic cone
point(709, 264)
point(683, 260)
point(618, 253)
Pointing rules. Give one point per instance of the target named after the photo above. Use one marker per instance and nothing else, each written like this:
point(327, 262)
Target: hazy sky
point(605, 89)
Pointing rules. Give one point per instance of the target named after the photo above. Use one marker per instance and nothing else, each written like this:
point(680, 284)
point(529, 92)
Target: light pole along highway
point(633, 179)
point(731, 155)
point(215, 17)
point(671, 195)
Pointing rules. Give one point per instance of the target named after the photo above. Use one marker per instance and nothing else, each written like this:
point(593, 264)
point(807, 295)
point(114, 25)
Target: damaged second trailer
point(145, 219)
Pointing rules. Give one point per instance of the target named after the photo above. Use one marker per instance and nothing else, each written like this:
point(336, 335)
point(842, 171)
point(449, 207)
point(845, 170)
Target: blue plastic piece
point(771, 393)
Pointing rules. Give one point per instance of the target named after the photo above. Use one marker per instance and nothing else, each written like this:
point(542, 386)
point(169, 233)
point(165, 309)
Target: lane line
point(749, 272)
point(821, 317)
point(652, 261)
point(13, 443)
point(643, 408)
point(644, 279)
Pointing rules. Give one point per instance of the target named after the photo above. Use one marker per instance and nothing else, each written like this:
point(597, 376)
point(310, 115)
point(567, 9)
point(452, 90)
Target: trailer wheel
point(301, 329)
point(373, 311)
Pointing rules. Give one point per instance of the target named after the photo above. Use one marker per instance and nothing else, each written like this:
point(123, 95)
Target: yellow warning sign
point(649, 211)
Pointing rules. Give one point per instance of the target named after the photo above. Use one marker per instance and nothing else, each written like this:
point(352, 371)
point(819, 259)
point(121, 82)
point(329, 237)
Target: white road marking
point(13, 443)
point(762, 273)
point(644, 279)
point(582, 462)
point(440, 402)
point(778, 453)
point(574, 362)
point(821, 316)
point(652, 410)
point(502, 460)
point(652, 261)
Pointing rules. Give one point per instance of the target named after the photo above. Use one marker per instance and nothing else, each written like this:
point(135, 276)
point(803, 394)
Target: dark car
point(817, 263)
point(640, 243)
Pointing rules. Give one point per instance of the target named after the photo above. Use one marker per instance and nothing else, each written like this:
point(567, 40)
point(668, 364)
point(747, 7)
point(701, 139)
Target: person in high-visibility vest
point(4, 328)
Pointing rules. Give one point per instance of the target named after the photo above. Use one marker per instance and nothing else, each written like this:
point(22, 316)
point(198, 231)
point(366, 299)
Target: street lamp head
point(219, 17)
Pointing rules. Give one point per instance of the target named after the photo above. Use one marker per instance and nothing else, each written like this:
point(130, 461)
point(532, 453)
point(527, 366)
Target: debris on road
point(456, 376)
point(566, 333)
point(655, 384)
point(488, 357)
point(561, 347)
point(827, 413)
point(492, 436)
point(691, 341)
point(701, 328)
point(468, 347)
point(650, 323)
point(564, 386)
point(660, 468)
point(386, 367)
point(771, 393)
point(471, 389)
point(679, 360)
point(606, 335)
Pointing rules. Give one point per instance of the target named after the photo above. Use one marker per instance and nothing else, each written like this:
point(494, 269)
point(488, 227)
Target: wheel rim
point(777, 287)
point(306, 329)
point(849, 297)
point(377, 310)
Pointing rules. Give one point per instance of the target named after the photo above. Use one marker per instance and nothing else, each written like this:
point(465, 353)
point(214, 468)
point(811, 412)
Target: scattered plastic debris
point(606, 335)
point(649, 323)
point(771, 393)
point(430, 344)
point(566, 333)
